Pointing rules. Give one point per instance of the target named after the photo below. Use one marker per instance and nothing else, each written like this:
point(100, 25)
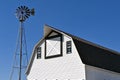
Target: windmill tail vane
point(32, 12)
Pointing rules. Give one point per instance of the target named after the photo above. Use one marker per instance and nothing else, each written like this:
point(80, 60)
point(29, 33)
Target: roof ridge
point(85, 41)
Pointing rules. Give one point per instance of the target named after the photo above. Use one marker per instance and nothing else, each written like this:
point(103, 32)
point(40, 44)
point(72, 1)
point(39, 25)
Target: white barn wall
point(94, 73)
point(68, 66)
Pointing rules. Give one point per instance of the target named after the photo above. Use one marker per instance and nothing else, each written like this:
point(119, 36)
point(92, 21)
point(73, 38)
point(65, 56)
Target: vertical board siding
point(66, 67)
point(94, 73)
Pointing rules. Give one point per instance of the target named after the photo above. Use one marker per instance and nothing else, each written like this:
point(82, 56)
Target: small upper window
point(68, 47)
point(38, 52)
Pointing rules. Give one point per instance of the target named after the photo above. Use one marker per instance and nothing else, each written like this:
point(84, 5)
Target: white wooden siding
point(68, 66)
point(94, 73)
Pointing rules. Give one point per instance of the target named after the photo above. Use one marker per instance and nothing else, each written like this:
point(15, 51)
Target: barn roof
point(90, 53)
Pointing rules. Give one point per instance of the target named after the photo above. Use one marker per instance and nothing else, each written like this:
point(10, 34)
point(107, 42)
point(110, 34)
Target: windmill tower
point(20, 56)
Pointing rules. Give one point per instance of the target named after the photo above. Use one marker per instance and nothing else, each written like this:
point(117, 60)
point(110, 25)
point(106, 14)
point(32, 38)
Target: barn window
point(53, 45)
point(68, 47)
point(38, 52)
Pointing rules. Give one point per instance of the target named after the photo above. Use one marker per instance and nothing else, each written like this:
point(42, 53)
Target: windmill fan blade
point(22, 7)
point(26, 16)
point(23, 18)
point(27, 12)
point(19, 8)
point(20, 18)
point(26, 8)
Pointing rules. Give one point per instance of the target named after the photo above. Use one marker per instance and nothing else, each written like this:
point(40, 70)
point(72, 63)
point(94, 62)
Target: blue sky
point(97, 21)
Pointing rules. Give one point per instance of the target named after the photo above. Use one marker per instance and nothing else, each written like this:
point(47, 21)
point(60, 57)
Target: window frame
point(68, 47)
point(50, 37)
point(39, 52)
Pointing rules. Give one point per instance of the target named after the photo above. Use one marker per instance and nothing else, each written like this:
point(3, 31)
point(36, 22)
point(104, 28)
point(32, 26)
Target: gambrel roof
point(90, 53)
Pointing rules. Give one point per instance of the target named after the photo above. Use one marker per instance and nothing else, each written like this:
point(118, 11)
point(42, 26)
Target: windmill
point(20, 56)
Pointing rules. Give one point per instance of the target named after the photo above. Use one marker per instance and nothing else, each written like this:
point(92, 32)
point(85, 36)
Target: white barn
point(62, 56)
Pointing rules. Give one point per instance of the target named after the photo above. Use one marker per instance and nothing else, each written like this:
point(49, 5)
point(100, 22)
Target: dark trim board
point(61, 44)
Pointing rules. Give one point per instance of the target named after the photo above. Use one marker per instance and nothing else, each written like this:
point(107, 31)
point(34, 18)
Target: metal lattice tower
point(20, 56)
